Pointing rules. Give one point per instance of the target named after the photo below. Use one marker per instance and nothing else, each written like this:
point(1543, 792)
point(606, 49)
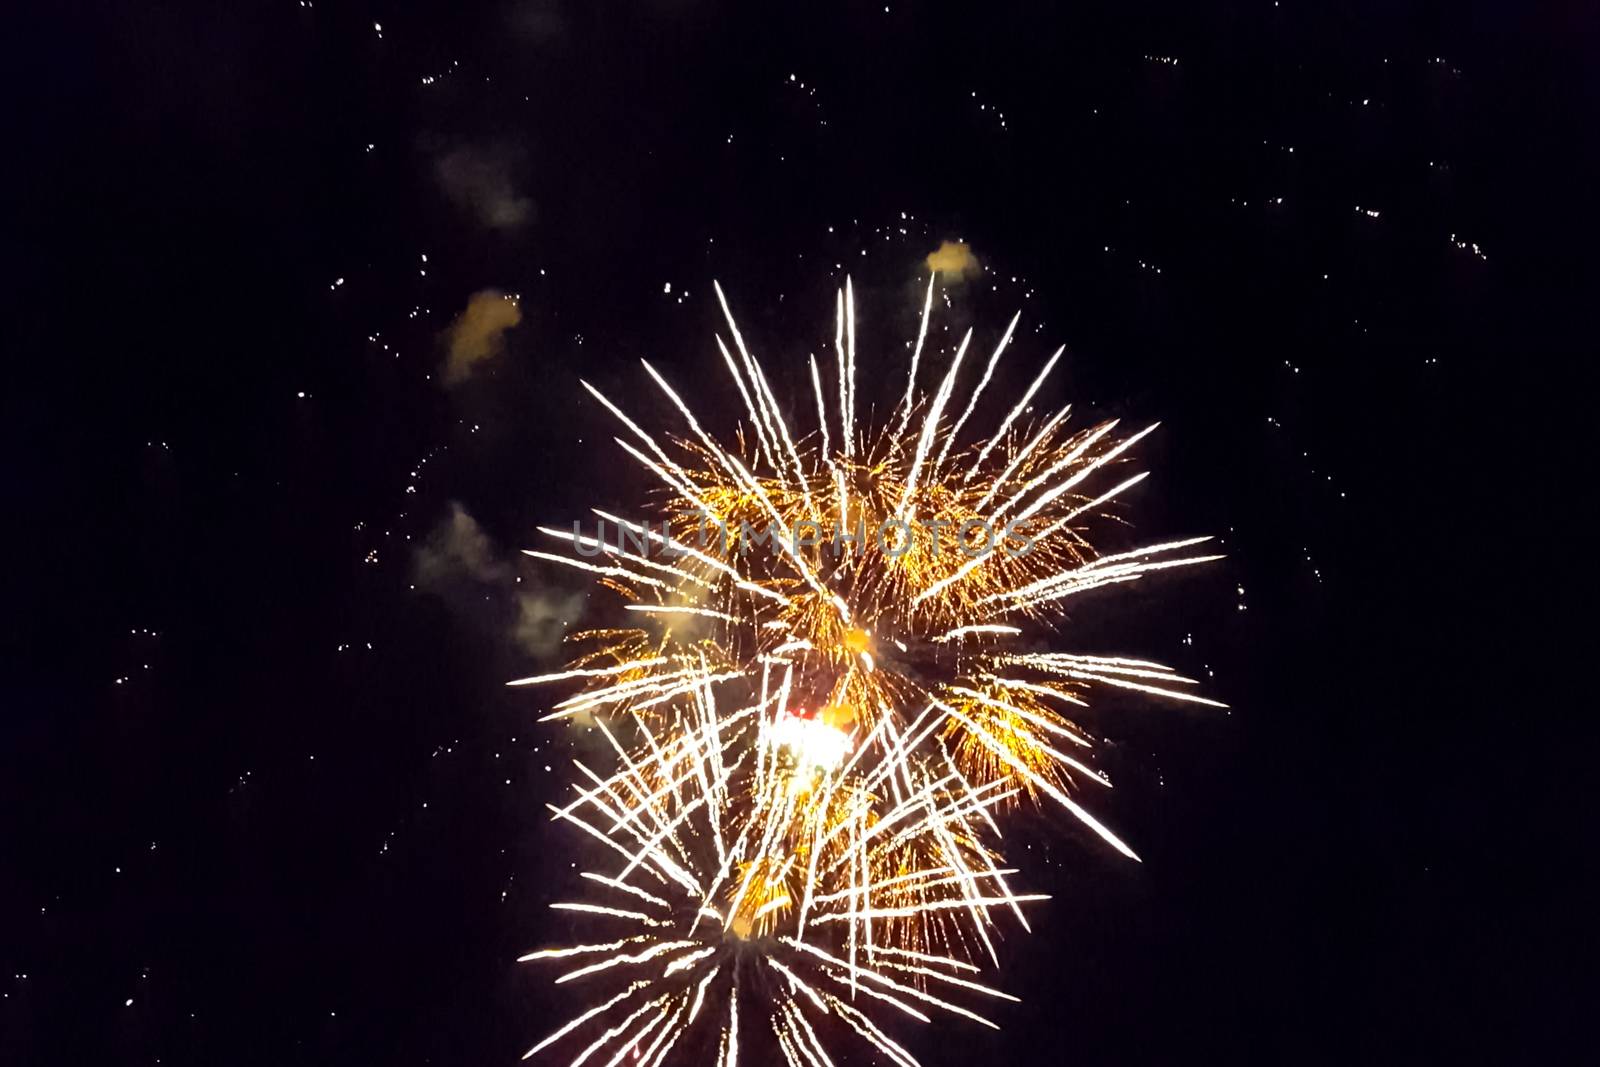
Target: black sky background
point(282, 852)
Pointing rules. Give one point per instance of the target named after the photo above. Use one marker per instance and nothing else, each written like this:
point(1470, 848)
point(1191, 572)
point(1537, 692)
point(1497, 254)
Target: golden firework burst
point(833, 689)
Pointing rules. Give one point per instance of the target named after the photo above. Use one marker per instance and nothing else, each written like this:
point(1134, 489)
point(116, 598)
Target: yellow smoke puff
point(954, 258)
point(479, 332)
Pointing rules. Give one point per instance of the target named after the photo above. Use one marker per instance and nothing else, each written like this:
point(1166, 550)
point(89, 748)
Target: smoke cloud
point(479, 333)
point(481, 182)
point(460, 563)
point(459, 549)
point(954, 259)
point(543, 618)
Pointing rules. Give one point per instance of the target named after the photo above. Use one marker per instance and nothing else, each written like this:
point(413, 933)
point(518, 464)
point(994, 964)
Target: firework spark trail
point(1011, 416)
point(930, 427)
point(916, 355)
point(988, 372)
point(814, 746)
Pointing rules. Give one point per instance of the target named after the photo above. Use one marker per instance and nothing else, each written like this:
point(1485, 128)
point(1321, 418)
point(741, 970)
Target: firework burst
point(833, 692)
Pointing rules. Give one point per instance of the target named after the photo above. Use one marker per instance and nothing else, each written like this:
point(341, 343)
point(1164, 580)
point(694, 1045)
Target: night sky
point(264, 796)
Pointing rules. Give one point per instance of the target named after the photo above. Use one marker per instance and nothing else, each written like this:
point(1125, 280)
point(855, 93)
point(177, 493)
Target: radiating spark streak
point(1086, 580)
point(975, 628)
point(800, 564)
point(615, 1031)
point(733, 1026)
point(1052, 663)
point(665, 1039)
point(751, 365)
point(845, 421)
point(876, 994)
point(576, 950)
point(600, 909)
point(930, 426)
point(600, 545)
point(777, 429)
point(983, 811)
point(651, 846)
point(944, 961)
point(580, 1020)
point(607, 798)
point(633, 1045)
point(634, 890)
point(884, 980)
point(1122, 683)
point(744, 394)
point(821, 1058)
point(775, 424)
point(562, 676)
point(772, 906)
point(857, 856)
point(706, 439)
point(1069, 583)
point(688, 550)
point(822, 412)
point(664, 872)
point(887, 883)
point(1104, 563)
point(811, 871)
point(1103, 661)
point(842, 488)
point(1066, 462)
point(1045, 690)
point(867, 1029)
point(673, 481)
point(681, 609)
point(758, 408)
point(1055, 491)
point(970, 892)
point(796, 983)
point(1011, 416)
point(1022, 455)
point(700, 992)
point(786, 1047)
point(924, 879)
point(795, 1052)
point(988, 372)
point(951, 979)
point(865, 914)
point(678, 478)
point(621, 691)
point(850, 341)
point(628, 693)
point(1027, 513)
point(1067, 802)
point(1040, 721)
point(661, 695)
point(916, 354)
point(665, 759)
point(1150, 550)
point(594, 568)
point(685, 962)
